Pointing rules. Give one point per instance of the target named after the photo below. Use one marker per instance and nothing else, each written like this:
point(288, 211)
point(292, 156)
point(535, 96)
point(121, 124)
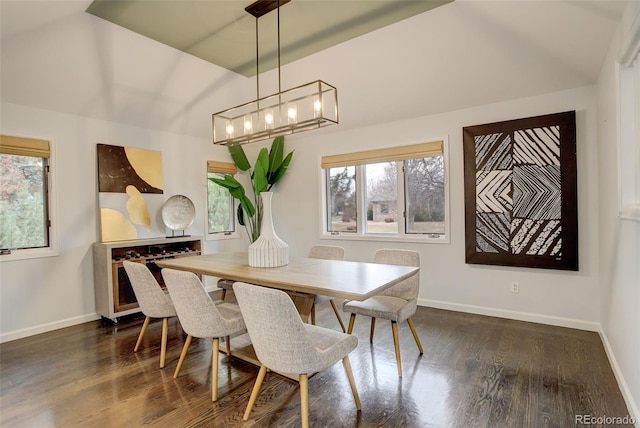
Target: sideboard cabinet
point(113, 291)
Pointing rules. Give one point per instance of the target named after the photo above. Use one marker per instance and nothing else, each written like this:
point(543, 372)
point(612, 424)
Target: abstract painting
point(130, 188)
point(520, 186)
point(119, 167)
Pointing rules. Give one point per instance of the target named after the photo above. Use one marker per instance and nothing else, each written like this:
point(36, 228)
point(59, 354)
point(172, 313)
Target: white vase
point(268, 250)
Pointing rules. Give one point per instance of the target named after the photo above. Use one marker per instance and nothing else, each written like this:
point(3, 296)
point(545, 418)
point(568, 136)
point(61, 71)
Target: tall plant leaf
point(260, 182)
point(240, 215)
point(239, 158)
point(263, 160)
point(276, 153)
point(247, 205)
point(228, 182)
point(277, 175)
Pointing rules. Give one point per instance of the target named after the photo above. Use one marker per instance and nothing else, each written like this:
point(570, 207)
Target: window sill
point(630, 212)
point(221, 236)
point(387, 238)
point(35, 253)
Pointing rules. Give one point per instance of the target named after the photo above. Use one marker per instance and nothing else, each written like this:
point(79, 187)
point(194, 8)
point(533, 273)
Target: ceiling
point(464, 54)
point(222, 33)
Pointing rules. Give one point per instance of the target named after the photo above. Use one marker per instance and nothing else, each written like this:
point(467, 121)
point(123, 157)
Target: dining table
point(339, 279)
point(302, 278)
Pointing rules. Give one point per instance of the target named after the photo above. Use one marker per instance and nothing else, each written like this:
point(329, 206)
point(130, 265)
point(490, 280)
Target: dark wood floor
point(476, 372)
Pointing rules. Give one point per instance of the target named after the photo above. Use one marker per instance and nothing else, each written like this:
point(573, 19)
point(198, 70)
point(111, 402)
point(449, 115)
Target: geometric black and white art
point(521, 192)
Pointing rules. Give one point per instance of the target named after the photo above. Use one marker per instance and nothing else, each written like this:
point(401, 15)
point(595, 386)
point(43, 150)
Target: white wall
point(43, 294)
point(619, 240)
point(555, 297)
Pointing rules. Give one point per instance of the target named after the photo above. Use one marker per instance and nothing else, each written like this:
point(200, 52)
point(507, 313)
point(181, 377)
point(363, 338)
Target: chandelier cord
point(257, 63)
point(258, 56)
point(279, 84)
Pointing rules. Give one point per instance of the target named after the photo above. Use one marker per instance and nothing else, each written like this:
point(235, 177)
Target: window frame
point(402, 235)
point(628, 124)
point(50, 250)
point(220, 168)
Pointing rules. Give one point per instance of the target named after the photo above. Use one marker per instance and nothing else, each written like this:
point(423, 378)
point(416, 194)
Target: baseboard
point(44, 328)
point(513, 315)
point(624, 388)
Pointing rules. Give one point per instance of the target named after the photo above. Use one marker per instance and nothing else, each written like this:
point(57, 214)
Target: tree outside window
point(342, 199)
point(219, 207)
point(24, 221)
point(425, 195)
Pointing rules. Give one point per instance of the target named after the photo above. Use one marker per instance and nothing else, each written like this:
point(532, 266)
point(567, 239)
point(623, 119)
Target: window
point(220, 212)
point(25, 221)
point(629, 126)
point(394, 193)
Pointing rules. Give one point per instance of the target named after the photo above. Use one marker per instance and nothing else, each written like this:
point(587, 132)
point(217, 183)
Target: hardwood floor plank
point(475, 371)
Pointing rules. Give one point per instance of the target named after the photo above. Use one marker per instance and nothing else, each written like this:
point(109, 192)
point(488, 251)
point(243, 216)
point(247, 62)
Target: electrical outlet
point(515, 287)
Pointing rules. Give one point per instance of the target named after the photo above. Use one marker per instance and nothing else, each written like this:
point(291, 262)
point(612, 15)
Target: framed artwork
point(520, 185)
point(130, 194)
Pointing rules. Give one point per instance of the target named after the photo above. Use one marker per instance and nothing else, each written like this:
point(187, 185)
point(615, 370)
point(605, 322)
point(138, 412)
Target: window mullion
point(361, 192)
point(400, 198)
point(47, 209)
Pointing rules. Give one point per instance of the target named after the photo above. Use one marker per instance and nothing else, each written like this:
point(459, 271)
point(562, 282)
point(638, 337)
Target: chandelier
point(310, 106)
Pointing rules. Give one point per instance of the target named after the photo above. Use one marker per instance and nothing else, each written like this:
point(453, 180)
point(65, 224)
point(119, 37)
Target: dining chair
point(154, 302)
point(284, 344)
point(225, 285)
point(396, 304)
point(202, 317)
point(327, 252)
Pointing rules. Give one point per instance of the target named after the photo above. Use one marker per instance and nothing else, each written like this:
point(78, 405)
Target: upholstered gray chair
point(283, 343)
point(225, 285)
point(328, 252)
point(202, 317)
point(396, 304)
point(154, 302)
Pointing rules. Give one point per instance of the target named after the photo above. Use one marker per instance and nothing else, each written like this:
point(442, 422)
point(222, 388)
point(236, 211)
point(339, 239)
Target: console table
point(113, 293)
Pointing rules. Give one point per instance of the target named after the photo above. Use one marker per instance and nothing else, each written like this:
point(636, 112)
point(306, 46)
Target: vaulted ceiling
point(223, 33)
point(466, 53)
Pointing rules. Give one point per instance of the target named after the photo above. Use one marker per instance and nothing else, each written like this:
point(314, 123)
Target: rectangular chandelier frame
point(310, 106)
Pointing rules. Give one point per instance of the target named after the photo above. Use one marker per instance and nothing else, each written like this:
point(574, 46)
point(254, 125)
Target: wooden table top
point(334, 278)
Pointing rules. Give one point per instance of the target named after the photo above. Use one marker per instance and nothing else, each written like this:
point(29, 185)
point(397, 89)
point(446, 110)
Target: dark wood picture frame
point(520, 185)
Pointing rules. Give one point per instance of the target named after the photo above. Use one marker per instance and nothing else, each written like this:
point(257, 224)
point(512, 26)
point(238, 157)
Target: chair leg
point(415, 335)
point(185, 348)
point(396, 344)
point(145, 324)
point(352, 320)
point(254, 392)
point(228, 340)
point(313, 314)
point(304, 400)
point(224, 294)
point(215, 342)
point(373, 326)
point(335, 310)
point(347, 367)
point(163, 345)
